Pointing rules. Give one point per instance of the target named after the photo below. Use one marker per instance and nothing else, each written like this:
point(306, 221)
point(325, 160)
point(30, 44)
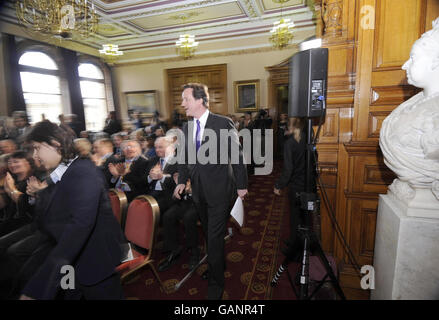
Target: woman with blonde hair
point(293, 176)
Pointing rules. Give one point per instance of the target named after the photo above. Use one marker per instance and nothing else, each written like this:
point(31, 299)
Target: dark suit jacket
point(105, 171)
point(217, 182)
point(79, 218)
point(136, 178)
point(168, 185)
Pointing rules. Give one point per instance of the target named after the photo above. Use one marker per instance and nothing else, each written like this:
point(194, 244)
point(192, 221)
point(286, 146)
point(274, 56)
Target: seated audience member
point(23, 250)
point(72, 121)
point(159, 131)
point(103, 156)
point(150, 147)
point(15, 210)
point(21, 127)
point(185, 210)
point(63, 125)
point(137, 120)
point(79, 219)
point(117, 141)
point(129, 175)
point(160, 171)
point(83, 147)
point(112, 124)
point(158, 122)
point(84, 135)
point(7, 146)
point(235, 121)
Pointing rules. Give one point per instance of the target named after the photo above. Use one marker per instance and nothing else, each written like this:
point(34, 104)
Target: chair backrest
point(142, 220)
point(119, 204)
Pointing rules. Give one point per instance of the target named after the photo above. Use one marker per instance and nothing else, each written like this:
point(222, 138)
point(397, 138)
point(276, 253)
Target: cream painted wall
point(152, 76)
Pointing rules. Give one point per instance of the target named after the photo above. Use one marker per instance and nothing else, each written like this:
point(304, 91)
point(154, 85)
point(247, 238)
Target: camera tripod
point(308, 200)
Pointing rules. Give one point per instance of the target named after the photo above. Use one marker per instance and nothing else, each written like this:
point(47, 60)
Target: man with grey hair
point(129, 175)
point(160, 170)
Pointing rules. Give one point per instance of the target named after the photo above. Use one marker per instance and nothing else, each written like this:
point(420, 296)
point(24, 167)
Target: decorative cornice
point(207, 55)
point(161, 10)
point(250, 8)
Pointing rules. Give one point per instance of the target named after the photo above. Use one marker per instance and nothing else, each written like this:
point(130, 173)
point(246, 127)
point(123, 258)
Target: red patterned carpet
point(252, 255)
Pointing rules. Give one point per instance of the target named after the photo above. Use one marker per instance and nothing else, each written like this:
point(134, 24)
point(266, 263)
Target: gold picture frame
point(145, 102)
point(246, 95)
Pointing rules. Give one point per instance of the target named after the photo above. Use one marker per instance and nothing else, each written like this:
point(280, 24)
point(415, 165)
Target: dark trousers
point(214, 222)
point(13, 224)
point(108, 289)
point(297, 218)
point(186, 211)
point(163, 198)
point(21, 254)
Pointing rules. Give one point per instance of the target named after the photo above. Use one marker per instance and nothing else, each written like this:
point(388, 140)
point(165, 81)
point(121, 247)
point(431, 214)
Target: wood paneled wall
point(368, 42)
point(365, 84)
point(214, 76)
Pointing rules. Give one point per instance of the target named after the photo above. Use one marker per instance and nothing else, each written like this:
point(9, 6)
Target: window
point(93, 95)
point(41, 86)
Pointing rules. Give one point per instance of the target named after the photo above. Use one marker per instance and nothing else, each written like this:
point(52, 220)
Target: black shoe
point(194, 258)
point(205, 275)
point(170, 261)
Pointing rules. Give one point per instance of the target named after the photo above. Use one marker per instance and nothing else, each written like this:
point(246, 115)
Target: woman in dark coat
point(79, 220)
point(293, 176)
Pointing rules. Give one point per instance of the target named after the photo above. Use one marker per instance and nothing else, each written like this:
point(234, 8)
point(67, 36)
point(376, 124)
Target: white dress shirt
point(158, 186)
point(203, 120)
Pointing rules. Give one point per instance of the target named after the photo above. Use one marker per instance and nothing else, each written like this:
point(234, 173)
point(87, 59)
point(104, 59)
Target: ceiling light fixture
point(186, 44)
point(281, 33)
point(110, 53)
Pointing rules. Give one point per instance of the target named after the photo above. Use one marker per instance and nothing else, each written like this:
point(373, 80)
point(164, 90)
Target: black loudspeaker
point(307, 83)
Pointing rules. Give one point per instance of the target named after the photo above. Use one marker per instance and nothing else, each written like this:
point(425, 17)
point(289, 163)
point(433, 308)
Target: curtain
point(71, 64)
point(13, 81)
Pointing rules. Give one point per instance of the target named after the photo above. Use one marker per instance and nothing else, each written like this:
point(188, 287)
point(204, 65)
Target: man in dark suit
point(78, 217)
point(215, 183)
point(21, 127)
point(160, 170)
point(130, 174)
point(103, 156)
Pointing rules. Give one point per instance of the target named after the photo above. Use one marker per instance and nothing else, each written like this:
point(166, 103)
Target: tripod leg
point(319, 251)
point(304, 272)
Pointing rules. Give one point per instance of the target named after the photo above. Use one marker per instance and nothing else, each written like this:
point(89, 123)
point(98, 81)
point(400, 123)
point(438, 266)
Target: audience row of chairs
point(139, 220)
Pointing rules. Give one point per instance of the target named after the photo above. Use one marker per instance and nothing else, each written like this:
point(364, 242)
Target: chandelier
point(281, 33)
point(186, 45)
point(110, 53)
point(60, 18)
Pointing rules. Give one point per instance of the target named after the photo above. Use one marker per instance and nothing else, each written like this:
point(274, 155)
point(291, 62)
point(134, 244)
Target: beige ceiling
point(147, 30)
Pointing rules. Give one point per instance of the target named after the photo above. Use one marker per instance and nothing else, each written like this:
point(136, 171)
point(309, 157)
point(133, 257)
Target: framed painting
point(144, 102)
point(246, 95)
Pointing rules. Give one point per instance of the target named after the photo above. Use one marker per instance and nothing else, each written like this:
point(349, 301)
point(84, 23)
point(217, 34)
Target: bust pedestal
point(406, 257)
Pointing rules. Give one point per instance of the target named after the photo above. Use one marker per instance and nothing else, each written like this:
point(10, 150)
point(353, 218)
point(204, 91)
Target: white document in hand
point(238, 211)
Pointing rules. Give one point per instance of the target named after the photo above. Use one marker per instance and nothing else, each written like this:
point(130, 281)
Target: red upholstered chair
point(119, 204)
point(141, 224)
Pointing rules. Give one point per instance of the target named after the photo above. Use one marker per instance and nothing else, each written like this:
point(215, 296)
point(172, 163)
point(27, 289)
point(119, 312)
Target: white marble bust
point(409, 136)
